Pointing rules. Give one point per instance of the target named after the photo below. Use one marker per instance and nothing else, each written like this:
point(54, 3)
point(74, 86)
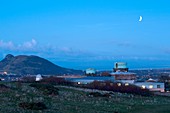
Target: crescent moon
point(140, 18)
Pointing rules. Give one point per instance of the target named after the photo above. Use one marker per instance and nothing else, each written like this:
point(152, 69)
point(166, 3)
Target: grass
point(152, 109)
point(75, 101)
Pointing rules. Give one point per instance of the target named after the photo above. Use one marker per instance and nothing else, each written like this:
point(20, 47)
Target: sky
point(88, 33)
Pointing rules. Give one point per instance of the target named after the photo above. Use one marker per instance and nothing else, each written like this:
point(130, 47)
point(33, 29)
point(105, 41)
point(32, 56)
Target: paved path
point(85, 89)
point(163, 94)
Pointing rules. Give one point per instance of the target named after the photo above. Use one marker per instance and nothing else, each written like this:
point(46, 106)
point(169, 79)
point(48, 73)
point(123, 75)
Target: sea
point(109, 65)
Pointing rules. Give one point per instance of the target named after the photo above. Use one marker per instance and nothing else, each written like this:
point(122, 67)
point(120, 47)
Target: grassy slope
point(73, 101)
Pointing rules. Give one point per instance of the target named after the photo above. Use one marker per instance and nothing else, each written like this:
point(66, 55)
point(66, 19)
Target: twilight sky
point(87, 33)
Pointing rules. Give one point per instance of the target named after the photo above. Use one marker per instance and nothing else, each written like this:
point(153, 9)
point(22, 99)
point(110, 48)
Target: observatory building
point(121, 74)
point(90, 72)
point(120, 67)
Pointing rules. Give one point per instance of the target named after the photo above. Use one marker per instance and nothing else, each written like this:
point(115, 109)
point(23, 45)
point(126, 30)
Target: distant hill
point(23, 64)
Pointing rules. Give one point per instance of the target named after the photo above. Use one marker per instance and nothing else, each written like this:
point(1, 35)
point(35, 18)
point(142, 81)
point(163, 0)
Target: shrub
point(47, 89)
point(108, 86)
point(106, 95)
point(97, 94)
point(33, 105)
point(28, 79)
point(55, 80)
point(3, 88)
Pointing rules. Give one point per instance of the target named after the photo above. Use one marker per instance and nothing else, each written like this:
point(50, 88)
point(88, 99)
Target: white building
point(152, 86)
point(38, 77)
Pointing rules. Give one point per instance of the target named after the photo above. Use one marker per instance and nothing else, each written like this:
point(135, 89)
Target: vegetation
point(122, 88)
point(98, 94)
point(29, 97)
point(55, 81)
point(4, 88)
point(47, 89)
point(33, 105)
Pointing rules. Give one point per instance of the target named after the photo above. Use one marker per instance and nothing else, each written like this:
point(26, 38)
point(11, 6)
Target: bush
point(47, 89)
point(32, 105)
point(3, 88)
point(97, 94)
point(108, 86)
point(55, 81)
point(28, 79)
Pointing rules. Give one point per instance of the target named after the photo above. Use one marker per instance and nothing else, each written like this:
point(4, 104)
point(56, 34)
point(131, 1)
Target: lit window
point(150, 86)
point(119, 84)
point(143, 86)
point(126, 84)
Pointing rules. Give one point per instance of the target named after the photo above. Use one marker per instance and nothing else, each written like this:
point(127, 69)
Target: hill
point(18, 97)
point(24, 64)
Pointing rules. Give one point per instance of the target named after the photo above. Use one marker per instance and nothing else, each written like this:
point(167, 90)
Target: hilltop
point(23, 64)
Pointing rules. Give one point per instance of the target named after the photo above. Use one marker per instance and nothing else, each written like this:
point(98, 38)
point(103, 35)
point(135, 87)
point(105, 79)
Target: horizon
point(108, 65)
point(88, 33)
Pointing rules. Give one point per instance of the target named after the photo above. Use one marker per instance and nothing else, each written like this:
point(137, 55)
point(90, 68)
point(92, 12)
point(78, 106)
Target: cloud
point(30, 44)
point(65, 49)
point(65, 53)
point(34, 48)
point(6, 45)
point(122, 43)
point(10, 46)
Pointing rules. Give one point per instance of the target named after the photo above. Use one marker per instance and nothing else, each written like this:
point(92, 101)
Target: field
point(74, 100)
